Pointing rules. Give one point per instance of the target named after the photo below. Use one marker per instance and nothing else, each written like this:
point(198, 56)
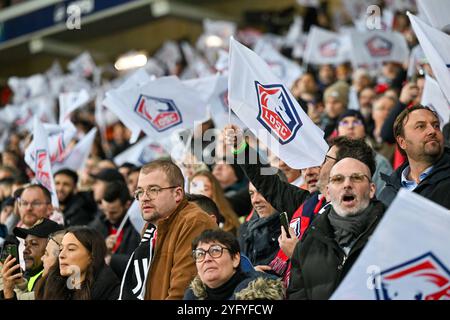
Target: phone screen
point(285, 223)
point(10, 249)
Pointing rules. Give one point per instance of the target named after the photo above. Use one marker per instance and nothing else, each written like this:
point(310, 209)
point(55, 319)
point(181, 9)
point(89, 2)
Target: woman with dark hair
point(220, 276)
point(80, 273)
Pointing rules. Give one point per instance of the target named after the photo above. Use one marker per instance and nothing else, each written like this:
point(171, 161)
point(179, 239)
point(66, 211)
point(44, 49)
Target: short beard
point(364, 203)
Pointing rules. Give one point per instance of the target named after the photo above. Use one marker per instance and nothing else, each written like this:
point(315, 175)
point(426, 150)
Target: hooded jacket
point(434, 187)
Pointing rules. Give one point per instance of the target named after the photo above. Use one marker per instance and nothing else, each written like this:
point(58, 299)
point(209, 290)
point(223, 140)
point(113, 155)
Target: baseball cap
point(41, 229)
point(108, 175)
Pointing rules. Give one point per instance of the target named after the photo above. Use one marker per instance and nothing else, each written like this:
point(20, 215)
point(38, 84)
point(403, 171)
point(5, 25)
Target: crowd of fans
point(213, 231)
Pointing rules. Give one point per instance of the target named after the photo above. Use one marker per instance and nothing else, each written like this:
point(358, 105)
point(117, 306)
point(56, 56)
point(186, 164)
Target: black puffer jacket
point(258, 238)
point(435, 186)
point(106, 285)
point(319, 264)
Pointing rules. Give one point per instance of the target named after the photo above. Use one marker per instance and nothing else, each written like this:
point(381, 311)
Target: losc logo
point(378, 46)
point(59, 155)
point(330, 48)
point(296, 225)
point(277, 112)
point(422, 278)
point(162, 114)
point(42, 175)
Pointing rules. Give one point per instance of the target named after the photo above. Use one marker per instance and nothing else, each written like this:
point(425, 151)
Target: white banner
point(270, 111)
point(433, 97)
point(158, 107)
point(436, 46)
point(42, 167)
point(69, 102)
point(77, 156)
point(435, 12)
point(375, 47)
point(141, 153)
point(407, 257)
point(325, 47)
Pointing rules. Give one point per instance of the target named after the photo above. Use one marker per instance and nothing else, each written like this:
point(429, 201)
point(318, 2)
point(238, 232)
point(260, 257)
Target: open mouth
point(348, 199)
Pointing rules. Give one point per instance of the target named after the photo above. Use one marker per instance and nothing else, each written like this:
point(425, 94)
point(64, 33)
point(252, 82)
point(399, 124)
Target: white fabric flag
point(407, 257)
point(283, 68)
point(270, 111)
point(376, 46)
point(219, 105)
point(135, 217)
point(58, 142)
point(436, 12)
point(83, 65)
point(433, 97)
point(325, 47)
point(136, 80)
point(70, 101)
point(77, 156)
point(141, 153)
point(158, 107)
point(436, 46)
point(42, 166)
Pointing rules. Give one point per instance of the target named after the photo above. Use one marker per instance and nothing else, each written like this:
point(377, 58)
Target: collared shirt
point(411, 184)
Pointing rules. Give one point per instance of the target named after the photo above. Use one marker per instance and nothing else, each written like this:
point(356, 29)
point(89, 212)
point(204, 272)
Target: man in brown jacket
point(163, 204)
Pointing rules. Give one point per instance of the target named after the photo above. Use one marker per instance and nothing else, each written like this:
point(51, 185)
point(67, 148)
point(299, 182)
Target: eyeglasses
point(354, 177)
point(34, 204)
point(327, 157)
point(215, 251)
point(347, 123)
point(150, 191)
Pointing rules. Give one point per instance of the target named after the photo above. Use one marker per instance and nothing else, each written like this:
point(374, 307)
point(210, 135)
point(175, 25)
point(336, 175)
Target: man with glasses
point(335, 239)
point(34, 204)
point(162, 266)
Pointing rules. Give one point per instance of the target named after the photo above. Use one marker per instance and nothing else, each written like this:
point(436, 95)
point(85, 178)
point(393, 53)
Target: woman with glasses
point(218, 260)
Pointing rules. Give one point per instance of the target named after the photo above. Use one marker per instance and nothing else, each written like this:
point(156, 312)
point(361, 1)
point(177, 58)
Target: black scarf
point(348, 229)
point(135, 276)
point(225, 291)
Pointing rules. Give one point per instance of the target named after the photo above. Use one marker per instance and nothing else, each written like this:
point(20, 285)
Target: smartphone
point(10, 249)
point(285, 223)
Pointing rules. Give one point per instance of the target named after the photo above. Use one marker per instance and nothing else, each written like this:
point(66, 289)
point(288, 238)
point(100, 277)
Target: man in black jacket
point(335, 239)
point(427, 171)
point(78, 208)
point(120, 243)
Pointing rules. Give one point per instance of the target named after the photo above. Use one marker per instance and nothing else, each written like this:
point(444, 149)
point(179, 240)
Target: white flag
point(433, 97)
point(436, 12)
point(69, 102)
point(58, 142)
point(135, 217)
point(77, 156)
point(83, 65)
point(158, 107)
point(407, 257)
point(266, 106)
point(436, 46)
point(283, 68)
point(42, 166)
point(376, 46)
point(219, 105)
point(141, 153)
point(325, 47)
